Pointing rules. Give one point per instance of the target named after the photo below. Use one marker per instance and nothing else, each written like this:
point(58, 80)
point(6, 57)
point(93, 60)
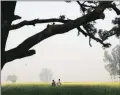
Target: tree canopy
point(90, 10)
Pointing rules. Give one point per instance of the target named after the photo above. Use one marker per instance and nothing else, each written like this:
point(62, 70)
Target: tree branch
point(93, 37)
point(36, 21)
point(89, 42)
point(114, 31)
point(82, 31)
point(51, 30)
point(84, 5)
point(15, 54)
point(113, 6)
point(81, 6)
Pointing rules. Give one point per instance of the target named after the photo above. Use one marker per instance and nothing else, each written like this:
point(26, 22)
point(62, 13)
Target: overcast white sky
point(69, 56)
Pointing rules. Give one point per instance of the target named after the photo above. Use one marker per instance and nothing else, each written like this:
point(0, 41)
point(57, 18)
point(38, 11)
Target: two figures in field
point(56, 84)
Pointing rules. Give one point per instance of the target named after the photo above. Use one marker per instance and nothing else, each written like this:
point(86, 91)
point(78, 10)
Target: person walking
point(58, 83)
point(53, 83)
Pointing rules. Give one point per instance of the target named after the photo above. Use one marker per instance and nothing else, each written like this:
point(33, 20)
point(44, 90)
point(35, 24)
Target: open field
point(71, 88)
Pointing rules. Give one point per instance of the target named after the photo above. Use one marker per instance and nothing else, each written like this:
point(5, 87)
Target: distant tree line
point(113, 66)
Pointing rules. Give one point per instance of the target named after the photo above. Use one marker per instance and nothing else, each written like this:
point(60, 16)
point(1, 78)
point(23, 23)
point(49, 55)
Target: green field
point(82, 88)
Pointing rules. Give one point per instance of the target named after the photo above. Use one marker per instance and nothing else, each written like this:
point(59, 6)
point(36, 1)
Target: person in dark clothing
point(53, 83)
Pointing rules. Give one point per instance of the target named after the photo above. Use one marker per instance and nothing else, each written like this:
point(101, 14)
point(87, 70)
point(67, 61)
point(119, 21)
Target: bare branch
point(15, 54)
point(82, 31)
point(36, 21)
point(89, 42)
point(113, 6)
point(91, 36)
point(81, 5)
point(100, 41)
point(16, 17)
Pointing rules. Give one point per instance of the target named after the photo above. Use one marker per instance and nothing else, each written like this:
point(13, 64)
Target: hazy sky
point(69, 56)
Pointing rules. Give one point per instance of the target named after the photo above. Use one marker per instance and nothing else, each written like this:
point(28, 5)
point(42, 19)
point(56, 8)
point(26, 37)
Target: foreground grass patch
point(65, 89)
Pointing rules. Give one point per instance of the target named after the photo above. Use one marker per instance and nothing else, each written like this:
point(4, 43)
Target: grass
point(71, 88)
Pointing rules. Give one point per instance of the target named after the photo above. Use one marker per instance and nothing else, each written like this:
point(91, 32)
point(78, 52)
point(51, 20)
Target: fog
point(68, 56)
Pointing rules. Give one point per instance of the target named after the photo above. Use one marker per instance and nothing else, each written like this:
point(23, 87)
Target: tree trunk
point(7, 16)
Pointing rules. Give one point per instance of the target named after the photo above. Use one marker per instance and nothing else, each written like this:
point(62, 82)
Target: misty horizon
point(69, 56)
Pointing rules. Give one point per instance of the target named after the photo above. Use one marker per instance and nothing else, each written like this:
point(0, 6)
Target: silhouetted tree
point(46, 75)
point(114, 62)
point(12, 78)
point(90, 10)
